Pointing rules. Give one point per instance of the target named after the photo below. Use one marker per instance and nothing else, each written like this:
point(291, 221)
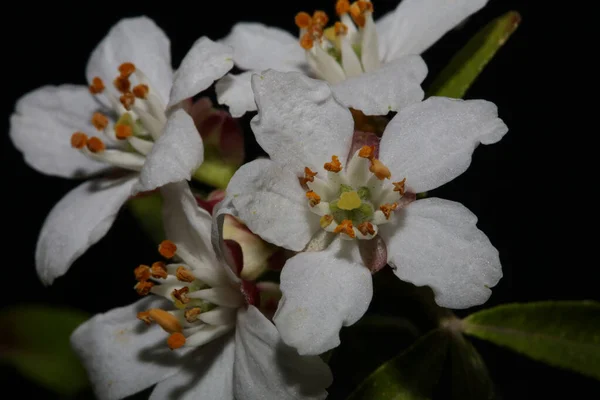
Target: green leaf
point(412, 375)
point(35, 341)
point(563, 333)
point(467, 64)
point(147, 210)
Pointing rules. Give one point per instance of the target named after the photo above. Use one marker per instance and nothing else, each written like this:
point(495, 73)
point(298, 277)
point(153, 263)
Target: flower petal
point(42, 125)
point(391, 87)
point(78, 221)
point(259, 47)
point(299, 122)
point(175, 155)
point(206, 62)
point(417, 24)
point(431, 143)
point(271, 202)
point(220, 212)
point(123, 356)
point(322, 291)
point(436, 242)
point(137, 40)
point(265, 368)
point(235, 91)
point(208, 376)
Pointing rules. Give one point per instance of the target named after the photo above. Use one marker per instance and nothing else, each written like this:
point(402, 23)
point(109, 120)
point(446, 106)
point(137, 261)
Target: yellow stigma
point(349, 201)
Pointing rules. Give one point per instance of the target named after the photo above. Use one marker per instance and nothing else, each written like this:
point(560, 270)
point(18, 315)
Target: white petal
point(265, 368)
point(121, 354)
point(42, 125)
point(322, 292)
point(206, 62)
point(271, 202)
point(235, 91)
point(220, 210)
point(189, 227)
point(259, 47)
point(137, 40)
point(431, 143)
point(299, 122)
point(417, 24)
point(435, 242)
point(174, 156)
point(207, 376)
point(390, 88)
point(76, 222)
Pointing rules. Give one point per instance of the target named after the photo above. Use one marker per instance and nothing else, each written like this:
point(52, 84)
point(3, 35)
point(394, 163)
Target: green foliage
point(147, 210)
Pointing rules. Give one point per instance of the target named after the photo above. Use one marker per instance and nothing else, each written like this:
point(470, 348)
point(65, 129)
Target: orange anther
point(340, 28)
point(306, 41)
point(334, 166)
point(95, 145)
point(181, 294)
point(127, 99)
point(143, 287)
point(357, 14)
point(191, 314)
point(97, 86)
point(126, 69)
point(167, 249)
point(325, 221)
point(184, 275)
point(142, 273)
point(303, 20)
point(366, 152)
point(320, 18)
point(145, 316)
point(345, 227)
point(388, 208)
point(123, 131)
point(366, 228)
point(122, 84)
point(379, 169)
point(313, 198)
point(141, 91)
point(342, 7)
point(309, 175)
point(316, 31)
point(159, 270)
point(99, 120)
point(166, 320)
point(79, 140)
point(176, 340)
point(399, 186)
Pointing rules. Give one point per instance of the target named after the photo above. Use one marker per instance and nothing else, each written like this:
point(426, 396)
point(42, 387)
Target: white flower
point(223, 346)
point(313, 184)
point(136, 131)
point(353, 45)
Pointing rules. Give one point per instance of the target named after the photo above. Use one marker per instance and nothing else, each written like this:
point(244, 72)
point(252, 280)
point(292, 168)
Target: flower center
point(348, 48)
point(355, 201)
point(139, 121)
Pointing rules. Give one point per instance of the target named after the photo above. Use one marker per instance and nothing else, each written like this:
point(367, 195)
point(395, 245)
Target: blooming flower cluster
point(330, 206)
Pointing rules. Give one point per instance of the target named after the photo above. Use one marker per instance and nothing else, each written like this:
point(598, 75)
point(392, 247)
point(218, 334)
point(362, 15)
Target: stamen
point(145, 316)
point(126, 69)
point(159, 270)
point(399, 186)
point(326, 220)
point(306, 41)
point(303, 20)
point(166, 320)
point(97, 86)
point(167, 249)
point(100, 121)
point(340, 28)
point(366, 228)
point(379, 169)
point(356, 14)
point(320, 18)
point(176, 340)
point(123, 131)
point(388, 208)
point(342, 7)
point(313, 198)
point(143, 287)
point(79, 140)
point(366, 152)
point(95, 145)
point(141, 91)
point(184, 275)
point(181, 294)
point(142, 273)
point(191, 314)
point(334, 166)
point(122, 84)
point(345, 227)
point(127, 99)
point(309, 176)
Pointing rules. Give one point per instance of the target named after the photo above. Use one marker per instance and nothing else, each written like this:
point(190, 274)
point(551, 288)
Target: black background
point(521, 188)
